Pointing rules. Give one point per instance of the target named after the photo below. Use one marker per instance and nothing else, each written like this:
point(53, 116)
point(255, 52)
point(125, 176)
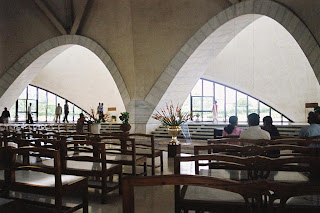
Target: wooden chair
point(145, 146)
point(256, 167)
point(90, 160)
point(118, 153)
point(246, 192)
point(295, 197)
point(273, 151)
point(44, 180)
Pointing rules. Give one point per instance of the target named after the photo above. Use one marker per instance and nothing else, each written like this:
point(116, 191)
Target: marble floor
point(156, 199)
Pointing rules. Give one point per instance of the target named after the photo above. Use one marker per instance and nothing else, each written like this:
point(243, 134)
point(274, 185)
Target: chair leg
point(120, 181)
point(153, 166)
point(145, 168)
point(58, 202)
point(85, 198)
point(161, 161)
point(103, 189)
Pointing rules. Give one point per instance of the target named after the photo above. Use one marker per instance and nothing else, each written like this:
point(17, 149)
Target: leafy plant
point(317, 109)
point(171, 116)
point(124, 117)
point(197, 115)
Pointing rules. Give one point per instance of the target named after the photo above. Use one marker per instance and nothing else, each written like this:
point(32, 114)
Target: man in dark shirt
point(5, 115)
point(269, 127)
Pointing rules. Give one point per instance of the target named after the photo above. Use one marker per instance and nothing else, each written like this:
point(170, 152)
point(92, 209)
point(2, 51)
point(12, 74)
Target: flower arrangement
point(171, 116)
point(124, 117)
point(96, 118)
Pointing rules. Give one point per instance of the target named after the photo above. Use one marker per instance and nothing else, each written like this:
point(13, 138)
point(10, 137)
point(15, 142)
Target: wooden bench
point(37, 179)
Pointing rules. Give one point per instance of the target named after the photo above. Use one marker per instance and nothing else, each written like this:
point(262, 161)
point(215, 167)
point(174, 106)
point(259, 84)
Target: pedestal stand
point(174, 150)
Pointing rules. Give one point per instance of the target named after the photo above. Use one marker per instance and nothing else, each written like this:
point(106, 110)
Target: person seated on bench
point(269, 127)
point(254, 132)
point(313, 129)
point(232, 129)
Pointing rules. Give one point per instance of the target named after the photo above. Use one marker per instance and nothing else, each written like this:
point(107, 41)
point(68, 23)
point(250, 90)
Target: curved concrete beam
point(171, 84)
point(18, 76)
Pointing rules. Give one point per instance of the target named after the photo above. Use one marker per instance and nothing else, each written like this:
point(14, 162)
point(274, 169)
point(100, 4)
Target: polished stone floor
point(158, 198)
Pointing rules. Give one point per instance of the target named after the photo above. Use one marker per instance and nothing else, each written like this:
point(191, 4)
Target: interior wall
point(266, 62)
point(80, 76)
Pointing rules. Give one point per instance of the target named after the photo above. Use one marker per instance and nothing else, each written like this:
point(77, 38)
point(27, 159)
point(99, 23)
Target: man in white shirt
point(58, 112)
point(254, 132)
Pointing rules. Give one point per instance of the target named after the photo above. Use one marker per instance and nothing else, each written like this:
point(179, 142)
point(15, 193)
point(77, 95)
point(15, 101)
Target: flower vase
point(95, 128)
point(174, 131)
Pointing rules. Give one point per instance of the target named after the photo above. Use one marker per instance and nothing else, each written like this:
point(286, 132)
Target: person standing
point(5, 115)
point(215, 111)
point(58, 113)
point(101, 116)
point(29, 120)
point(66, 112)
point(98, 109)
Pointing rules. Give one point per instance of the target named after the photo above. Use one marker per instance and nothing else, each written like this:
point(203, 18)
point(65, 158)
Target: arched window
point(43, 105)
point(229, 102)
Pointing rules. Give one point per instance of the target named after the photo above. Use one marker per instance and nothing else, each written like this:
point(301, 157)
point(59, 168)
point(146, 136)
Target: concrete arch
point(189, 64)
point(28, 66)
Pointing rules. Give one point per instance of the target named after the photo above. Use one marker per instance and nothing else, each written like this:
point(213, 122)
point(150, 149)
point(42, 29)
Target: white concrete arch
point(18, 76)
point(192, 61)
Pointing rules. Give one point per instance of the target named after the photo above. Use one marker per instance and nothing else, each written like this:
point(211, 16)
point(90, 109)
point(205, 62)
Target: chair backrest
point(40, 152)
point(247, 190)
point(258, 167)
point(254, 150)
point(96, 149)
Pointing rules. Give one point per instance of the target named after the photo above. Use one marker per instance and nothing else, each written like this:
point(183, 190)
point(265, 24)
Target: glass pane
point(207, 116)
point(77, 112)
point(219, 97)
point(242, 107)
point(197, 90)
point(22, 116)
point(42, 111)
point(285, 119)
point(51, 107)
point(70, 115)
point(275, 116)
point(207, 88)
point(22, 107)
point(32, 92)
point(186, 105)
point(23, 94)
point(42, 96)
point(264, 111)
point(196, 103)
point(252, 105)
point(13, 112)
point(61, 101)
point(207, 103)
point(230, 103)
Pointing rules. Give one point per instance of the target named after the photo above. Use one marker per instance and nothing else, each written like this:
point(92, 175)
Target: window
point(43, 105)
point(229, 102)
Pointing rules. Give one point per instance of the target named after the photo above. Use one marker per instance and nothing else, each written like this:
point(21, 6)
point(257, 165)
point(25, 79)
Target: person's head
point(253, 119)
point(313, 118)
point(102, 104)
point(267, 121)
point(233, 120)
point(81, 115)
point(30, 104)
point(99, 104)
point(5, 109)
point(58, 104)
